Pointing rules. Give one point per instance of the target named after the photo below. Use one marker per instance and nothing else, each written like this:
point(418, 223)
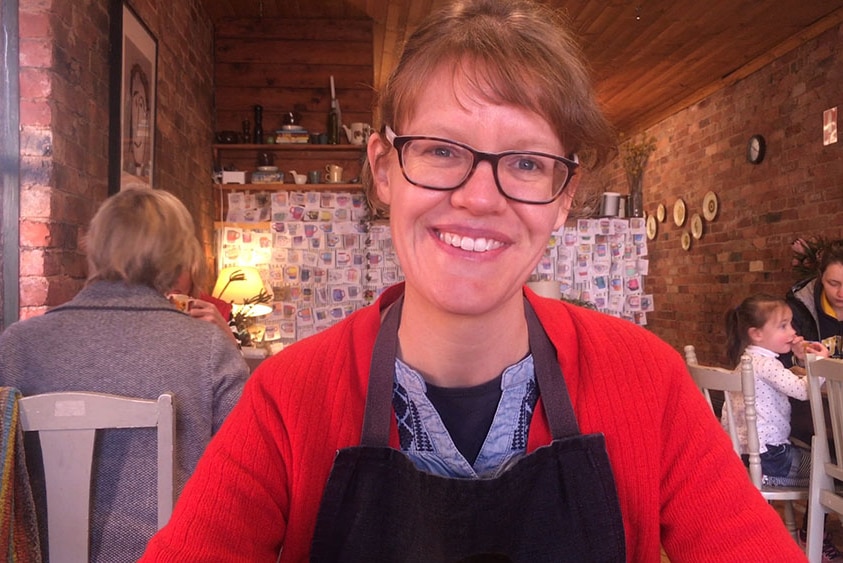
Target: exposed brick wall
point(796, 191)
point(64, 124)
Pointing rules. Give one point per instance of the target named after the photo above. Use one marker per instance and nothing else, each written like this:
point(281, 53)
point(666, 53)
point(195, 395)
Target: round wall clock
point(755, 149)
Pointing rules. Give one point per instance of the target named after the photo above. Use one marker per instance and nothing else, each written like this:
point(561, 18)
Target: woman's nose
point(480, 192)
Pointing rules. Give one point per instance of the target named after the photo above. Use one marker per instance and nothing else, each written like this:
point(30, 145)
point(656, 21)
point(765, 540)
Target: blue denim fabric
point(777, 460)
point(426, 441)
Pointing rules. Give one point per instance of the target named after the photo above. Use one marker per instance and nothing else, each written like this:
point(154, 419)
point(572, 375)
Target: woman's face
point(832, 280)
point(469, 250)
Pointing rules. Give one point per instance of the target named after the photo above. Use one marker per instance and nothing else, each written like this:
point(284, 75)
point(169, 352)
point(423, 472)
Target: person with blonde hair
point(462, 417)
point(121, 335)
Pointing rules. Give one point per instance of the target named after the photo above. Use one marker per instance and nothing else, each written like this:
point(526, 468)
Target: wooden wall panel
point(286, 64)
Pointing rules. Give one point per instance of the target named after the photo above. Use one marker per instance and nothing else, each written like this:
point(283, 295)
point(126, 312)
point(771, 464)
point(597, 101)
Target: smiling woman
point(461, 383)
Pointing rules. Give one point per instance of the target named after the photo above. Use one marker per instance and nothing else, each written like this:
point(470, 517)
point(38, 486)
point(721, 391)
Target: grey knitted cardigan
point(126, 340)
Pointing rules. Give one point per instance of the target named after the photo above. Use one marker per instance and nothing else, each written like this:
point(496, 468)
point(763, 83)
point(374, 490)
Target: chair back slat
point(742, 384)
point(67, 424)
point(828, 373)
point(709, 378)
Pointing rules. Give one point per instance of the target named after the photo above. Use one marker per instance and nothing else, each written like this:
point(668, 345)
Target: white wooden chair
point(67, 424)
point(709, 378)
point(824, 470)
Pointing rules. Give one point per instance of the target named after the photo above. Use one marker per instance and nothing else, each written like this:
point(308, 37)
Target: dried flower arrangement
point(807, 253)
point(635, 154)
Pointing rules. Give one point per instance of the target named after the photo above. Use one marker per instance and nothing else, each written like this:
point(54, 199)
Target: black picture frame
point(133, 81)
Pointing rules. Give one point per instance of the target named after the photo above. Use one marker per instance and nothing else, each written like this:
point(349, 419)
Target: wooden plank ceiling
point(649, 58)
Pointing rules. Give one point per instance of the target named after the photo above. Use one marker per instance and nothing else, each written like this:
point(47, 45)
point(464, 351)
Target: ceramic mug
point(609, 204)
point(333, 173)
point(314, 177)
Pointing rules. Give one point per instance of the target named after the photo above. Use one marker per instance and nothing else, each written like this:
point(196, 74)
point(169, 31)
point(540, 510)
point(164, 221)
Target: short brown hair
point(146, 237)
point(515, 52)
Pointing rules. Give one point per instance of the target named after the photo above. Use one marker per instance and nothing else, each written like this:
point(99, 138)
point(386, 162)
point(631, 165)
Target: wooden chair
point(824, 471)
point(67, 424)
point(709, 378)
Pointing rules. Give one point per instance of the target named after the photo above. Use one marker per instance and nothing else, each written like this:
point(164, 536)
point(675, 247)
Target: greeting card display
point(322, 257)
point(602, 262)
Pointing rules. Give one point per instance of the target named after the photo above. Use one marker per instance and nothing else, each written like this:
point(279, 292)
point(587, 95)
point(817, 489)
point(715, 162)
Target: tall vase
point(636, 195)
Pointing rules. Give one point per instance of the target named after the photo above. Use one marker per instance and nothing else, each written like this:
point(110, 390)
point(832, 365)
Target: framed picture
point(132, 100)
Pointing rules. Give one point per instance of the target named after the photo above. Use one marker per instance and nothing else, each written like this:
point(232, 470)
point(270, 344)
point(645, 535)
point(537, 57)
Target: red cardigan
point(259, 484)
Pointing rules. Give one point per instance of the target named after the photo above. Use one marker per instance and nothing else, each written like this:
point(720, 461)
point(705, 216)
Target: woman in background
point(121, 335)
point(817, 303)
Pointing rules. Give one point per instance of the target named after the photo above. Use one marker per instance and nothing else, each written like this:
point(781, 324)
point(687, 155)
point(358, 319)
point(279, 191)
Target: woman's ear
point(565, 201)
point(377, 151)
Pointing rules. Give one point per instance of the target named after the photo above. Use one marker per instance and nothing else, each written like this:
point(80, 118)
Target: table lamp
point(243, 287)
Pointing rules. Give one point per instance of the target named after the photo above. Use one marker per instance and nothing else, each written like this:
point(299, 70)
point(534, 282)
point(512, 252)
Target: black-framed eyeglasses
point(441, 164)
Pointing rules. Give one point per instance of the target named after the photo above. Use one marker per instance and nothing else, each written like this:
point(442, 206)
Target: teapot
point(290, 118)
point(298, 178)
point(358, 133)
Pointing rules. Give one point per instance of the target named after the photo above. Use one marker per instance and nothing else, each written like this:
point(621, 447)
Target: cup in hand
point(180, 301)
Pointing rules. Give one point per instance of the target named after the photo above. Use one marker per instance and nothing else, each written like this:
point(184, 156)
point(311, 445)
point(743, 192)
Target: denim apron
point(558, 503)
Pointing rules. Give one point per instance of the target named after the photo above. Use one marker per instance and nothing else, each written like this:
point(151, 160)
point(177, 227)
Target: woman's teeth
point(470, 244)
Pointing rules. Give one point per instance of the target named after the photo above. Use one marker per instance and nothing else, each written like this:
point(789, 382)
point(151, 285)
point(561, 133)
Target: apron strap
point(552, 389)
point(551, 382)
point(376, 417)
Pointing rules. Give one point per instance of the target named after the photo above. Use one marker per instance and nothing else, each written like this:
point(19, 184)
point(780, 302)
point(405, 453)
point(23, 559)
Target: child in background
point(761, 327)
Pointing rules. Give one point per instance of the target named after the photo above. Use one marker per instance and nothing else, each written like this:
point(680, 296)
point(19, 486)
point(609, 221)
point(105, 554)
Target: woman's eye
point(442, 151)
point(528, 164)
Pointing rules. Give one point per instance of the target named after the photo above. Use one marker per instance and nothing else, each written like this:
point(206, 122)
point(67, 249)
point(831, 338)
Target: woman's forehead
point(468, 80)
point(833, 271)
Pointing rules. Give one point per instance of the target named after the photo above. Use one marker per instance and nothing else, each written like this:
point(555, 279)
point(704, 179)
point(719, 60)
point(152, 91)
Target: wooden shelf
point(287, 147)
point(259, 225)
point(282, 187)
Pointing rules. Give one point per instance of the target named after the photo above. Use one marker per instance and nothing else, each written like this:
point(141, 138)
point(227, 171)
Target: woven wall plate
point(679, 212)
point(652, 227)
point(696, 226)
point(710, 205)
point(686, 240)
point(661, 213)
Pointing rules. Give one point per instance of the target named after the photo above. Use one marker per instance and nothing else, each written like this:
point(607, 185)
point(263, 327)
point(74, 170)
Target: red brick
point(33, 291)
point(35, 112)
point(35, 234)
point(31, 262)
point(33, 24)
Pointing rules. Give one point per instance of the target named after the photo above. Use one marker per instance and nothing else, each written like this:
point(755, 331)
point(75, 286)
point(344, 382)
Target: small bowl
point(268, 168)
